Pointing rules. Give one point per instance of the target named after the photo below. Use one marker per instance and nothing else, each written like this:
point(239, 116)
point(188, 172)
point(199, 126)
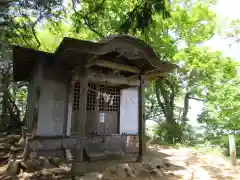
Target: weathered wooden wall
point(32, 99)
point(53, 102)
point(110, 126)
point(47, 113)
point(93, 124)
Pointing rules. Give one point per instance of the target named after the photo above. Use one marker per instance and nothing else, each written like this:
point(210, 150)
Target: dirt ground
point(159, 163)
point(190, 164)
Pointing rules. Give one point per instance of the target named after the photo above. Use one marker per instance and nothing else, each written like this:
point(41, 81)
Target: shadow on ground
point(158, 158)
point(217, 173)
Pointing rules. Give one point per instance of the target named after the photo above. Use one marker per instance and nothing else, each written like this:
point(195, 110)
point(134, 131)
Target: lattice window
point(76, 96)
point(91, 97)
point(115, 93)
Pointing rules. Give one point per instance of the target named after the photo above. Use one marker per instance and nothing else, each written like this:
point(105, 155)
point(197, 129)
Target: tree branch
point(172, 96)
point(87, 23)
point(156, 121)
point(168, 106)
point(198, 99)
point(185, 108)
point(86, 19)
point(14, 105)
point(158, 98)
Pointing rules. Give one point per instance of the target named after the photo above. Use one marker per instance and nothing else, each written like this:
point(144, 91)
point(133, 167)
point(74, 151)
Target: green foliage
point(201, 71)
point(176, 133)
point(232, 31)
point(21, 100)
point(169, 132)
point(141, 16)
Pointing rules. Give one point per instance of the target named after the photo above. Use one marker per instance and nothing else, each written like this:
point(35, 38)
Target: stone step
point(95, 156)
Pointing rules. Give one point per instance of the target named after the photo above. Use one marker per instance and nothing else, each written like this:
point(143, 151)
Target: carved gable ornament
point(128, 46)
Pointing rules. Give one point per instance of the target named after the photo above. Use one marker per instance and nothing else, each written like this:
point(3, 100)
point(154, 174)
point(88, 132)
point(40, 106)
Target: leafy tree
point(202, 71)
point(175, 30)
point(232, 31)
point(222, 110)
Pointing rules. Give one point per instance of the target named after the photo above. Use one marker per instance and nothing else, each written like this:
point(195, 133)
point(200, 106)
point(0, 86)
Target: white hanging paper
point(111, 101)
point(104, 97)
point(98, 95)
point(108, 96)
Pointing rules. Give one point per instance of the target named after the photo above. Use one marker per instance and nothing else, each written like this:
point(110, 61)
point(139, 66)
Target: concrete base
point(100, 166)
point(97, 156)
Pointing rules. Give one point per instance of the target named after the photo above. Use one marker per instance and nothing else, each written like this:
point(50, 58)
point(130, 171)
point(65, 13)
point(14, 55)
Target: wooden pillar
point(36, 111)
point(141, 124)
point(232, 149)
point(30, 107)
point(69, 109)
point(81, 118)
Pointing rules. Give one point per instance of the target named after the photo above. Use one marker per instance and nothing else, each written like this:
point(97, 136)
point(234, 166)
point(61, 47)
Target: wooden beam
point(149, 75)
point(141, 124)
point(90, 60)
point(113, 65)
point(112, 79)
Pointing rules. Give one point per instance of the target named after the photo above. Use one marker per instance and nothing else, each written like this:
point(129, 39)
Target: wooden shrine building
point(87, 95)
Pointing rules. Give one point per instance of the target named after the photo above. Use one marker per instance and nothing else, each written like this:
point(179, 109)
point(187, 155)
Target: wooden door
point(102, 116)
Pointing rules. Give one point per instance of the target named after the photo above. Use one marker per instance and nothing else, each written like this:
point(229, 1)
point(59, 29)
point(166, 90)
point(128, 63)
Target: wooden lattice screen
point(115, 94)
point(76, 96)
point(91, 98)
point(94, 104)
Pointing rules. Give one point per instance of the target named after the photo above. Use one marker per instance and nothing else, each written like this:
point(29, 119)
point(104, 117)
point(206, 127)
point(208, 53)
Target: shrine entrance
point(103, 108)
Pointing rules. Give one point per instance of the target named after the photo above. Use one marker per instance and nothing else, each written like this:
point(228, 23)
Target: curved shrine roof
point(122, 49)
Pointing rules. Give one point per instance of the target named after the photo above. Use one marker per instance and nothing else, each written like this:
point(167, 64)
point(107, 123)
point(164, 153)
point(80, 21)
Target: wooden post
point(36, 111)
point(81, 119)
point(232, 149)
point(30, 106)
point(141, 128)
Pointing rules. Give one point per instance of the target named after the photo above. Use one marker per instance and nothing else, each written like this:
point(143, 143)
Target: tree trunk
point(167, 104)
point(185, 108)
point(165, 100)
point(4, 113)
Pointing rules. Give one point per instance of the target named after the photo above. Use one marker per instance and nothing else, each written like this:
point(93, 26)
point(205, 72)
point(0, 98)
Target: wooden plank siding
point(94, 125)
